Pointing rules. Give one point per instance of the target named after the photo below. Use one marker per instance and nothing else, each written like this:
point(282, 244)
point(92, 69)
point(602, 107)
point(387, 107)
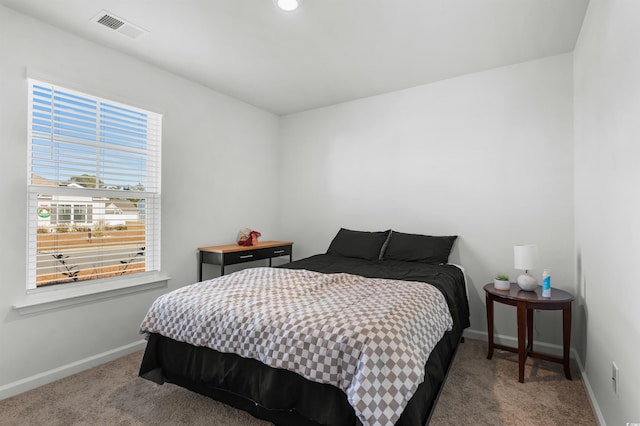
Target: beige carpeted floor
point(478, 392)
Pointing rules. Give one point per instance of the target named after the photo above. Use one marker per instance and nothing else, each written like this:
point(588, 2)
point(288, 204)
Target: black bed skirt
point(280, 396)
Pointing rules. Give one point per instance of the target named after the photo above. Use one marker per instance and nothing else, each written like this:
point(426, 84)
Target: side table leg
point(522, 330)
point(566, 340)
point(200, 255)
point(489, 305)
point(529, 330)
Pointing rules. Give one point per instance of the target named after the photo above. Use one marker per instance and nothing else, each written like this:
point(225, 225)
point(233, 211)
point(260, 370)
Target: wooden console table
point(526, 302)
point(231, 254)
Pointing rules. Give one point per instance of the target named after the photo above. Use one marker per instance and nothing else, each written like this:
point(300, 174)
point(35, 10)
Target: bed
point(330, 363)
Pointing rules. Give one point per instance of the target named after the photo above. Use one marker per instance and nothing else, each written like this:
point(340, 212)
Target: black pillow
point(419, 248)
point(359, 244)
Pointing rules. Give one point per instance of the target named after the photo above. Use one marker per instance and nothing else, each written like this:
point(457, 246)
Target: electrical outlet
point(615, 372)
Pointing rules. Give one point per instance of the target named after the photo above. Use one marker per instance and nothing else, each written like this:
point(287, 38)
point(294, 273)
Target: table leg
point(566, 340)
point(529, 330)
point(522, 330)
point(489, 305)
point(200, 258)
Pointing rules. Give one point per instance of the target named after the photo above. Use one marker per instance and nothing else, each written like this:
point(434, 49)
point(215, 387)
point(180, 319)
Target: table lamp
point(525, 257)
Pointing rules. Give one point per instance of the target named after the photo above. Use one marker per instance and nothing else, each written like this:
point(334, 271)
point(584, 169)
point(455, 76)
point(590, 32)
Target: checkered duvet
point(369, 337)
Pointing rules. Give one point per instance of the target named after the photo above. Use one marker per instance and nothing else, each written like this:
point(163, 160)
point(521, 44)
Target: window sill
point(48, 299)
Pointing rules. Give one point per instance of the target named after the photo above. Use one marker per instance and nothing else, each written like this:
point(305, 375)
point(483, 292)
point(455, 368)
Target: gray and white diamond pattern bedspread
point(369, 337)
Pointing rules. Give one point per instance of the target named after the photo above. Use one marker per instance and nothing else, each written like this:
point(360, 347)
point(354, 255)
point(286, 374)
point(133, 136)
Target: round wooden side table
point(526, 302)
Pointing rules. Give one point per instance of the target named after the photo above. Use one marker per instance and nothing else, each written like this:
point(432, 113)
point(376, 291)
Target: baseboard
point(553, 350)
point(589, 389)
point(58, 373)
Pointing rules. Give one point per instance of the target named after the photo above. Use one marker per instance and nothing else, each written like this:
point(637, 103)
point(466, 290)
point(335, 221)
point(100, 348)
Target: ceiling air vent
point(119, 25)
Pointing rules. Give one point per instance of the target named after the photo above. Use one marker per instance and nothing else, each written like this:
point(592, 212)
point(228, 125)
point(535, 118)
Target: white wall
point(219, 175)
point(607, 178)
point(487, 156)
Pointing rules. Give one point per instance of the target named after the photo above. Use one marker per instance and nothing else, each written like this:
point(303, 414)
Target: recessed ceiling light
point(288, 5)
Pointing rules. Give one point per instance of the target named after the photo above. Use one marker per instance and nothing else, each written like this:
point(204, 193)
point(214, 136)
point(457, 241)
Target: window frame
point(152, 198)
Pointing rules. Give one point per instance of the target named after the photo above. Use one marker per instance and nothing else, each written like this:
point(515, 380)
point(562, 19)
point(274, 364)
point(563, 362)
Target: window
point(94, 187)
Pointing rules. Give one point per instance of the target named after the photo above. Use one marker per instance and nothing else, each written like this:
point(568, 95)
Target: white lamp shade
point(525, 257)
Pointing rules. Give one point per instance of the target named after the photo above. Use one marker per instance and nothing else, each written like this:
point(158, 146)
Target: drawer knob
point(278, 251)
point(246, 256)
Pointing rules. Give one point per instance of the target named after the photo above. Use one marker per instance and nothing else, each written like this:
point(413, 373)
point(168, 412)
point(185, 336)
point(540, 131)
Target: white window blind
point(94, 187)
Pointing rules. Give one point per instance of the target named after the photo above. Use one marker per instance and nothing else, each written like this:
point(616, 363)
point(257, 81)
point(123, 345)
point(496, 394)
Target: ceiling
point(328, 51)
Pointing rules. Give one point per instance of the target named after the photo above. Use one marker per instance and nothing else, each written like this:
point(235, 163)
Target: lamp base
point(527, 282)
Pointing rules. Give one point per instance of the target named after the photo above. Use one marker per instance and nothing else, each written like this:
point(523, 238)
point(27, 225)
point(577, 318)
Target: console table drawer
point(256, 254)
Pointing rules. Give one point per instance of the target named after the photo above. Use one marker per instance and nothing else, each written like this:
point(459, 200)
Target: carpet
point(478, 392)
